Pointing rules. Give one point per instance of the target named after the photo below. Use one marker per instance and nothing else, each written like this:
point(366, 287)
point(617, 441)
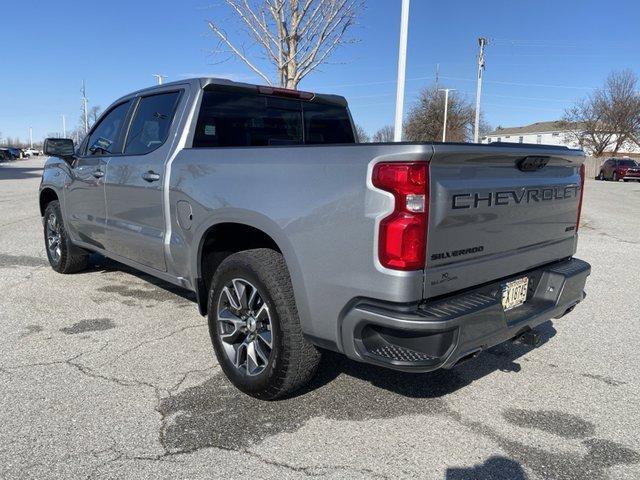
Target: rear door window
point(151, 122)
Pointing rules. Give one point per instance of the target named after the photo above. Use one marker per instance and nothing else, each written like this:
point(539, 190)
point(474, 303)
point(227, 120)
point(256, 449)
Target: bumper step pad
point(401, 354)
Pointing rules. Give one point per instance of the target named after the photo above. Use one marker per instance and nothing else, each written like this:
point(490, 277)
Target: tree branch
point(237, 52)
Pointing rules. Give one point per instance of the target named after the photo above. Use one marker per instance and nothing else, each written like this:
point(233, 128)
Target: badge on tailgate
point(514, 293)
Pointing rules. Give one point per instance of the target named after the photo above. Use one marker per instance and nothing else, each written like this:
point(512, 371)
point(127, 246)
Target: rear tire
point(614, 177)
point(600, 176)
point(255, 328)
point(63, 256)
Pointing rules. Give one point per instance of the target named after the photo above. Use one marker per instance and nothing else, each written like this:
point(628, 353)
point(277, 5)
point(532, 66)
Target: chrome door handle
point(98, 173)
point(151, 176)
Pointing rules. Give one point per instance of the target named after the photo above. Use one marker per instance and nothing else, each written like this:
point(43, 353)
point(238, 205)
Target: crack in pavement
point(311, 471)
point(151, 340)
point(602, 233)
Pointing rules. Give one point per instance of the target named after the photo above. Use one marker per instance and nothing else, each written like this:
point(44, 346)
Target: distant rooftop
point(538, 127)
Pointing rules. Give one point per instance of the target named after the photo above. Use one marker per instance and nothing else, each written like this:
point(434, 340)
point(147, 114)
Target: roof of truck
point(210, 81)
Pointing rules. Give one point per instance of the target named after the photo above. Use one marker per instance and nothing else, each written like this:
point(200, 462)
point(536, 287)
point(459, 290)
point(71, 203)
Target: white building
point(545, 133)
point(550, 133)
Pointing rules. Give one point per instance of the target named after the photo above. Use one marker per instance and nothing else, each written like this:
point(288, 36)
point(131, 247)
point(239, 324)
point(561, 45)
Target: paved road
point(108, 374)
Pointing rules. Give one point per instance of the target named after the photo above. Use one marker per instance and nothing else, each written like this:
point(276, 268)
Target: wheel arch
point(47, 195)
point(231, 235)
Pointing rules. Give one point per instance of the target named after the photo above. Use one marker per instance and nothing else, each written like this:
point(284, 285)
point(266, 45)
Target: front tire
point(63, 256)
point(601, 176)
point(254, 326)
point(614, 177)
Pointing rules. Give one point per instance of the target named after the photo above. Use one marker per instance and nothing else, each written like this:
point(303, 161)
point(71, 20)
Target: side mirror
point(59, 147)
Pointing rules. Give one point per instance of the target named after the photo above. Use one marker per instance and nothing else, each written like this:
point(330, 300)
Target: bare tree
point(295, 36)
point(363, 136)
point(607, 119)
point(426, 117)
point(94, 113)
point(385, 134)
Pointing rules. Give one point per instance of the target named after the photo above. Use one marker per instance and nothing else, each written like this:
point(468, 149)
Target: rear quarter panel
point(314, 202)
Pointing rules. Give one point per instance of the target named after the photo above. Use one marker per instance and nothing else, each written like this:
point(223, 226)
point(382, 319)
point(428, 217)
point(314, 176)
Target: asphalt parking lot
point(110, 374)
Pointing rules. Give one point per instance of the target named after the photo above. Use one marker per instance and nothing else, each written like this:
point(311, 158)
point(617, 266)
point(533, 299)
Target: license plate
point(514, 293)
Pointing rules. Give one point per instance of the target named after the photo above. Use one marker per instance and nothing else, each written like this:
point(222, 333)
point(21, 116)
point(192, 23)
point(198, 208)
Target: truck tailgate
point(498, 210)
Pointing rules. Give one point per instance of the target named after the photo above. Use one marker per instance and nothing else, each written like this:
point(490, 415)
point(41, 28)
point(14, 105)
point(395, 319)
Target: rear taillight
point(402, 241)
point(581, 195)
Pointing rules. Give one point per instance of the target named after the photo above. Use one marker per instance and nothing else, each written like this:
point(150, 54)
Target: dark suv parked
point(619, 168)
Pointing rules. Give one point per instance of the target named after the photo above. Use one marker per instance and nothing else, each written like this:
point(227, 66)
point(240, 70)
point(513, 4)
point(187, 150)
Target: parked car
point(13, 153)
point(31, 152)
point(296, 239)
point(619, 169)
point(4, 154)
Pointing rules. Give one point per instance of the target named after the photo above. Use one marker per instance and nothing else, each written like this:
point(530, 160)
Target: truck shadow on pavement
point(494, 468)
point(428, 385)
point(214, 414)
point(135, 294)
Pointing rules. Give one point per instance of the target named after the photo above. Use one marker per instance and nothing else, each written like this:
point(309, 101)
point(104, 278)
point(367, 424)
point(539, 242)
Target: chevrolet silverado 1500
point(297, 239)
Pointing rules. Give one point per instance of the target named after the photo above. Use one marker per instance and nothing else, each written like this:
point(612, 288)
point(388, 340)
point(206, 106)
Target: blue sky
point(541, 57)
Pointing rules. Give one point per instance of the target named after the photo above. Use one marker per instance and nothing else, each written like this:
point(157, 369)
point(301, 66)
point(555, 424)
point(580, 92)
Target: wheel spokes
point(244, 326)
point(241, 355)
point(227, 318)
point(52, 223)
point(262, 311)
point(231, 298)
point(265, 337)
point(252, 358)
point(261, 351)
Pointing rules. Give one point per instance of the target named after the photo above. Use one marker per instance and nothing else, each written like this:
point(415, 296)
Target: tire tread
point(71, 261)
point(299, 359)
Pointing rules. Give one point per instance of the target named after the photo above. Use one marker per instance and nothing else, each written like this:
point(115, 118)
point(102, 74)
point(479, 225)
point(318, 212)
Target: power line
point(518, 84)
point(431, 77)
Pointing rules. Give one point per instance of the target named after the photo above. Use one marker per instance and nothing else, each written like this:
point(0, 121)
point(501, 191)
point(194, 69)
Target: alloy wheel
point(54, 238)
point(244, 326)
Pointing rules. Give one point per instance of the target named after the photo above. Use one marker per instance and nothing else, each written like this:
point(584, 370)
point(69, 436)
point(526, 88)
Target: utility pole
point(446, 107)
point(30, 137)
point(85, 113)
point(159, 77)
point(402, 65)
point(64, 127)
point(476, 128)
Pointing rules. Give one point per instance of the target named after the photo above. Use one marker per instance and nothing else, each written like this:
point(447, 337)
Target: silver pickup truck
point(297, 239)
